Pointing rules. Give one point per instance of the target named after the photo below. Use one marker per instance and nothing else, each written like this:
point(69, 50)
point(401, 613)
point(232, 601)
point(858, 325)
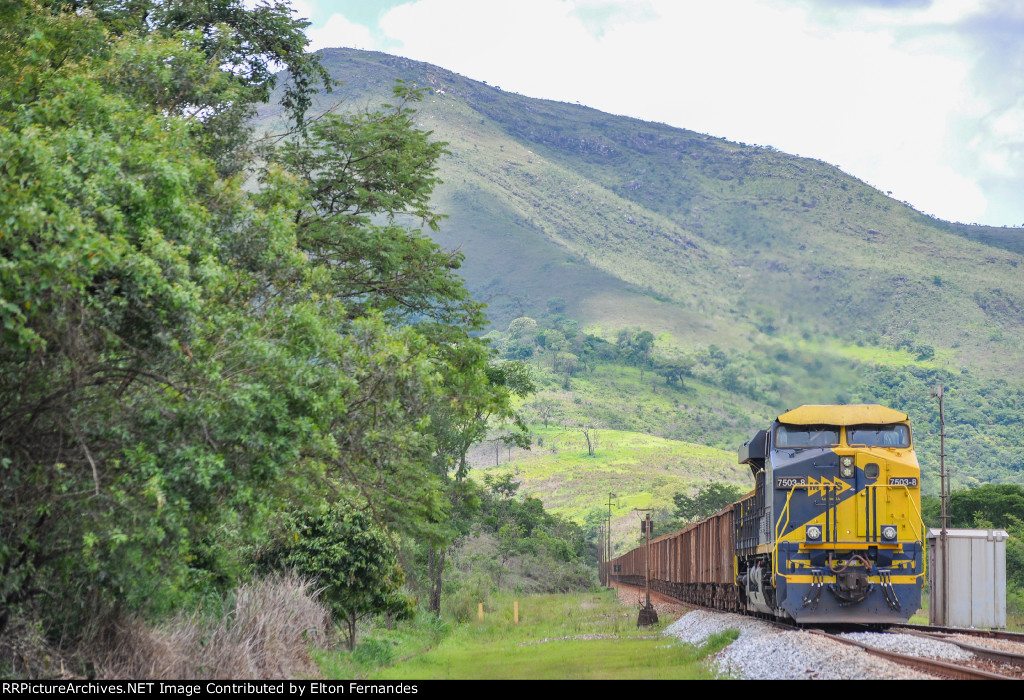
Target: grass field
point(642, 471)
point(567, 636)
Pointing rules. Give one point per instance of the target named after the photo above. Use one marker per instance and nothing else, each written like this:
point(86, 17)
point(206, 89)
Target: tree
point(503, 487)
point(477, 394)
point(554, 342)
point(591, 437)
point(182, 359)
point(523, 528)
point(545, 409)
point(709, 499)
point(349, 556)
point(127, 332)
point(522, 327)
point(996, 503)
point(360, 175)
point(246, 45)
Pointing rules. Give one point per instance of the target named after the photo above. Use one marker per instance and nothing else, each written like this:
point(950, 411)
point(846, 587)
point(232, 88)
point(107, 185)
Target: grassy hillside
point(641, 470)
point(550, 199)
point(777, 280)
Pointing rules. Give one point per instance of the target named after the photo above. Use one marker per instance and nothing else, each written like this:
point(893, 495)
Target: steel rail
point(997, 655)
point(970, 631)
point(943, 669)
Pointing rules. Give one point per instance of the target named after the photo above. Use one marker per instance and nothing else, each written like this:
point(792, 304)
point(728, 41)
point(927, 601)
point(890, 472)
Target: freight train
point(831, 533)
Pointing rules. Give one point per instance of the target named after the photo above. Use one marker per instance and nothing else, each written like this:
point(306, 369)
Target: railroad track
point(988, 663)
point(967, 670)
point(1009, 657)
point(968, 631)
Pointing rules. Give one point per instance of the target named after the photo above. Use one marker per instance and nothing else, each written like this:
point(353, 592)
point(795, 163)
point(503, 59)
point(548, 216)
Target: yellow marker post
point(515, 611)
point(480, 611)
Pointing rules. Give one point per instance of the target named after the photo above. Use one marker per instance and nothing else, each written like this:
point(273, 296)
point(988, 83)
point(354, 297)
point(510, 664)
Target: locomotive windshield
point(806, 435)
point(896, 435)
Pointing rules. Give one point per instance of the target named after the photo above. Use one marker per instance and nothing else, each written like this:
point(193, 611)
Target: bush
point(351, 557)
point(374, 652)
point(462, 604)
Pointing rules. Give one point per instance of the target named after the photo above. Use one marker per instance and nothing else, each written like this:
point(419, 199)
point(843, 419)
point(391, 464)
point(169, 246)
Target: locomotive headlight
point(846, 467)
point(889, 532)
point(813, 533)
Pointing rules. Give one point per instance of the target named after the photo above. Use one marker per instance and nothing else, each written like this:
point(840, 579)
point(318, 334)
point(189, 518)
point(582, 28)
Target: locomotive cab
point(833, 531)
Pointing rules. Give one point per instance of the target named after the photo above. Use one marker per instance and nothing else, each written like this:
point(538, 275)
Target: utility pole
point(939, 392)
point(647, 562)
point(608, 548)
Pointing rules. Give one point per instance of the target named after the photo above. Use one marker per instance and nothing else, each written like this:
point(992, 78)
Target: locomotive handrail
point(920, 517)
point(785, 511)
point(924, 549)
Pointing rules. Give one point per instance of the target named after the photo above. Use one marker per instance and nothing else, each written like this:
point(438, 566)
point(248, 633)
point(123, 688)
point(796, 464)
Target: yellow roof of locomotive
point(856, 414)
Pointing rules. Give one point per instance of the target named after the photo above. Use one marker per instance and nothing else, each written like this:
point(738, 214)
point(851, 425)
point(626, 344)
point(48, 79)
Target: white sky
point(921, 98)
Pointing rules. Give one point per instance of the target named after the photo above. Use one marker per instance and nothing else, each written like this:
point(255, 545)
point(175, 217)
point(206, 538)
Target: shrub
point(349, 555)
point(374, 652)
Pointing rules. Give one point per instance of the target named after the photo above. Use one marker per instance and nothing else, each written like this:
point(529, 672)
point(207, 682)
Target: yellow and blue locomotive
point(833, 531)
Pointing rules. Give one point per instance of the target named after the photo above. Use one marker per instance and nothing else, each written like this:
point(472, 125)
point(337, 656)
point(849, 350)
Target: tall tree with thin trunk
point(477, 394)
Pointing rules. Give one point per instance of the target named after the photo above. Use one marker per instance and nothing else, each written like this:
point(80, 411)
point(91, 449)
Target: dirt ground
point(668, 609)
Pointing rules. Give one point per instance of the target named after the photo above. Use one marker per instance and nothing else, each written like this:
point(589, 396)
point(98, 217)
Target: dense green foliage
point(522, 526)
point(156, 389)
point(984, 426)
point(708, 500)
point(185, 359)
point(997, 504)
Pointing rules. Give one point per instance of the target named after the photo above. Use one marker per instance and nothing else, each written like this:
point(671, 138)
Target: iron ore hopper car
point(831, 533)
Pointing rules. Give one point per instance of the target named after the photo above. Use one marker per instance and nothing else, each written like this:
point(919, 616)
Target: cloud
point(506, 43)
point(338, 31)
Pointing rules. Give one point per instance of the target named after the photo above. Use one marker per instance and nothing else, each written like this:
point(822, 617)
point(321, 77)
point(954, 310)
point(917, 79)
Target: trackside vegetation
point(565, 636)
point(222, 358)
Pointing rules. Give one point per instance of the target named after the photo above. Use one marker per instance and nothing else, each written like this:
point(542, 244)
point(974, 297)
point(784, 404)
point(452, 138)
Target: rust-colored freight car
point(694, 565)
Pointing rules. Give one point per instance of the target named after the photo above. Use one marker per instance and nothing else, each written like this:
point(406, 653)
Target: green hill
point(549, 199)
point(777, 280)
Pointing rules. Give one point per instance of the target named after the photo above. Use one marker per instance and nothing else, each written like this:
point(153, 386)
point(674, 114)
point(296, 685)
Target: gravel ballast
point(765, 652)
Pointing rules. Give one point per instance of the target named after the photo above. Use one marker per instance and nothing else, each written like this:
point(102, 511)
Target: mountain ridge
point(657, 207)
